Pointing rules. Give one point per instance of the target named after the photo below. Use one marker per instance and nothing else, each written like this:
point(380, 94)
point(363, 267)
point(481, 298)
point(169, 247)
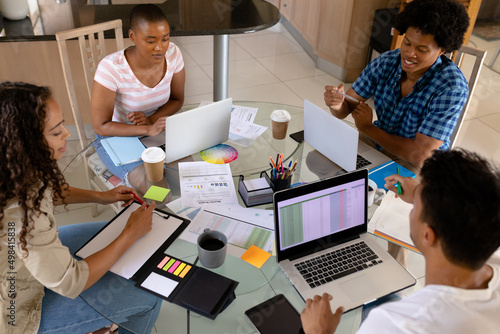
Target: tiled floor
point(271, 66)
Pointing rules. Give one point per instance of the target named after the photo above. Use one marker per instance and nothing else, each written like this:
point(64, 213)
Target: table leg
point(221, 66)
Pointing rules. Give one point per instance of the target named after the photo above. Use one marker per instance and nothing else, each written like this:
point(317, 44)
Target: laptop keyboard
point(361, 162)
point(337, 264)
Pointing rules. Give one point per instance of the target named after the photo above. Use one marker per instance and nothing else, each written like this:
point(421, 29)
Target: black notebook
point(170, 278)
point(194, 288)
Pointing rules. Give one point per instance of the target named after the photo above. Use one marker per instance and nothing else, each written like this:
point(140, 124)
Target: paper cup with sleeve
point(280, 120)
point(154, 159)
point(374, 194)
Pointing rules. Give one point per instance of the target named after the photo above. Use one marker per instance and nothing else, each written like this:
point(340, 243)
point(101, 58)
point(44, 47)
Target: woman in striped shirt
point(135, 89)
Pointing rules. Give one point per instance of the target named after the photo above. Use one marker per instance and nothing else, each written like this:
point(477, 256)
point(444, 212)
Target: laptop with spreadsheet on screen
point(322, 243)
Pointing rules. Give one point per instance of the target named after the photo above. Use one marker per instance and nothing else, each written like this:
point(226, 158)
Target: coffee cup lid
point(280, 116)
point(153, 155)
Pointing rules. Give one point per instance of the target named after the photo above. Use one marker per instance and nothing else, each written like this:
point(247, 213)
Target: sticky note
point(156, 193)
point(255, 256)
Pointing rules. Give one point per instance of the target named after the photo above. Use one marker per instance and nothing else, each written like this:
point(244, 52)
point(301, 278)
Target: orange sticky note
point(255, 256)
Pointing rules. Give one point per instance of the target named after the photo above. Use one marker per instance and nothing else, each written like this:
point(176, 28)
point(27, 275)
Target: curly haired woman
point(418, 92)
point(41, 284)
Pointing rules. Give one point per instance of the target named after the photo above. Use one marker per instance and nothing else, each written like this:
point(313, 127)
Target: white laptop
point(194, 130)
point(322, 243)
point(338, 141)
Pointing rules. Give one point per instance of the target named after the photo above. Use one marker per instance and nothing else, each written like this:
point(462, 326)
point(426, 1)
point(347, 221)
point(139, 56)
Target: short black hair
point(146, 13)
point(461, 202)
point(446, 20)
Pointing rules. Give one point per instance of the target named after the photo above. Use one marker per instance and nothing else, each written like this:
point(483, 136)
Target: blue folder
point(378, 174)
point(123, 150)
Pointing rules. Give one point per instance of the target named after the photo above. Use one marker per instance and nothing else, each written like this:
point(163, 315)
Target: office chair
point(92, 51)
point(474, 76)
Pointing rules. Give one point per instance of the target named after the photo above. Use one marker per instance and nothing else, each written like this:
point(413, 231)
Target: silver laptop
point(322, 243)
point(197, 129)
point(338, 141)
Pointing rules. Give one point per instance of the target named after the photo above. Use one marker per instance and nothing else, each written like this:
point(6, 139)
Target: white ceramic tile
point(478, 137)
point(197, 82)
point(78, 214)
point(291, 66)
point(203, 53)
point(188, 60)
point(275, 93)
point(246, 73)
point(313, 88)
point(268, 45)
point(196, 99)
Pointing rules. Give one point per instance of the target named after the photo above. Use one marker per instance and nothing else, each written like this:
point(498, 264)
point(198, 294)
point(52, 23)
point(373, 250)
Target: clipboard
point(136, 261)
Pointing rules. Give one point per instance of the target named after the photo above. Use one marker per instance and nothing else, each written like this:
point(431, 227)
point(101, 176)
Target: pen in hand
point(346, 96)
point(399, 183)
point(139, 200)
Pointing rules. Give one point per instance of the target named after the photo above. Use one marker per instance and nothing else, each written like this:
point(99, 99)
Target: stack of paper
point(391, 221)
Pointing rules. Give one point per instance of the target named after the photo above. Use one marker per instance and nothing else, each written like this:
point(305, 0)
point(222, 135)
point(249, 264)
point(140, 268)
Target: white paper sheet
point(205, 183)
point(159, 284)
point(392, 218)
point(144, 247)
point(243, 227)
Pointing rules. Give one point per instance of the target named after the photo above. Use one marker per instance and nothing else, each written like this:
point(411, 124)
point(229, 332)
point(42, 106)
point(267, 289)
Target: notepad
point(123, 150)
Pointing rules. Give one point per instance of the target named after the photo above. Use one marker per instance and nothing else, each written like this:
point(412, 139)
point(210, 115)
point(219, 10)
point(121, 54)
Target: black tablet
point(298, 136)
point(275, 315)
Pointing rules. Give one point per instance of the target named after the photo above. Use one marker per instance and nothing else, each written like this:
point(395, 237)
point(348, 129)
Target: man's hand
point(408, 185)
point(333, 100)
point(138, 118)
point(363, 116)
point(317, 317)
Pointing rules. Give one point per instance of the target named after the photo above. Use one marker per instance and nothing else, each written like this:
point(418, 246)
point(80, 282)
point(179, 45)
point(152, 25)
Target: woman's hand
point(138, 118)
point(120, 193)
point(140, 221)
point(157, 127)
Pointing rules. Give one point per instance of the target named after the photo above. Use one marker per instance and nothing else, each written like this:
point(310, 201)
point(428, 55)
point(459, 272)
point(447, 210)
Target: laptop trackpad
point(359, 288)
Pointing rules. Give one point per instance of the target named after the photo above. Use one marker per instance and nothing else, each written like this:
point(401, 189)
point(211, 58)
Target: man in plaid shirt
point(418, 92)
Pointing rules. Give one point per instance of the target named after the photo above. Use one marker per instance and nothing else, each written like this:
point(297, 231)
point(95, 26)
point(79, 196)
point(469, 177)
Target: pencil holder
point(280, 183)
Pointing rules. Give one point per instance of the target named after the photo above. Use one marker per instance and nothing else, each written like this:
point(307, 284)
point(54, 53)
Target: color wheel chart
point(219, 154)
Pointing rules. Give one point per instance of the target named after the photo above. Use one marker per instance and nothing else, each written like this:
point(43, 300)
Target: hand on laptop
point(157, 127)
point(408, 185)
point(317, 317)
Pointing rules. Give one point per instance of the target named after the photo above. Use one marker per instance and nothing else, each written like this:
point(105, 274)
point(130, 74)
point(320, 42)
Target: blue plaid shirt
point(432, 108)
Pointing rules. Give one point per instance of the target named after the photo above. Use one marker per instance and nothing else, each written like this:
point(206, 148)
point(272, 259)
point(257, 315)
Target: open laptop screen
point(315, 215)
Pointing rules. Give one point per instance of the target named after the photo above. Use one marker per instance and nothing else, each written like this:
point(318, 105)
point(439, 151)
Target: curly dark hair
point(446, 20)
point(461, 202)
point(146, 13)
point(26, 168)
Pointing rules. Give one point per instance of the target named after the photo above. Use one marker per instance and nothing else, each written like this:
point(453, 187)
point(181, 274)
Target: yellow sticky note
point(156, 193)
point(255, 256)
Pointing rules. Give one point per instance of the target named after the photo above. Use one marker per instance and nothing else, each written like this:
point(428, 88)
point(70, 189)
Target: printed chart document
point(391, 221)
point(242, 130)
point(243, 227)
point(205, 183)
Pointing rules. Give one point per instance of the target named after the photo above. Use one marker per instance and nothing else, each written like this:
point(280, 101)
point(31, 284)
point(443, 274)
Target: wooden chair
point(92, 50)
point(474, 76)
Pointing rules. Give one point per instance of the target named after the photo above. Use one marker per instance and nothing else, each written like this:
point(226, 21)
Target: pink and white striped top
point(114, 73)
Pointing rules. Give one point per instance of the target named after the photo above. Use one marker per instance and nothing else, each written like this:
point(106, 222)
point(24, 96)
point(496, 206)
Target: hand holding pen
point(407, 186)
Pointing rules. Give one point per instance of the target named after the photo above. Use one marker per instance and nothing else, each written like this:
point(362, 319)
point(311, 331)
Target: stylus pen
point(399, 183)
point(346, 96)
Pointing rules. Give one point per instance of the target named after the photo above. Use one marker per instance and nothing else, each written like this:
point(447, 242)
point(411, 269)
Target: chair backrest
point(92, 51)
point(474, 75)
